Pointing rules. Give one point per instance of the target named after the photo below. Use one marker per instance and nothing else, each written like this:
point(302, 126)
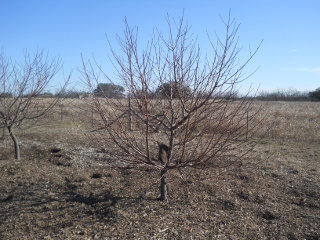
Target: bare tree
point(180, 101)
point(21, 85)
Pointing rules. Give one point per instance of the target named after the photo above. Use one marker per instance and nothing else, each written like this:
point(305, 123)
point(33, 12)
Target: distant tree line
point(283, 95)
point(289, 95)
point(110, 90)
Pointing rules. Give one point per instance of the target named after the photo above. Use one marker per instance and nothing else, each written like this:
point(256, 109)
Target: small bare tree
point(21, 85)
point(180, 102)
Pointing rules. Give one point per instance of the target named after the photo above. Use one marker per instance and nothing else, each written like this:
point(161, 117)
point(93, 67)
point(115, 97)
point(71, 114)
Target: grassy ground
point(63, 188)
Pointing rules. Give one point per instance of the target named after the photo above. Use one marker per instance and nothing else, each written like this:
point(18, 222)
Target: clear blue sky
point(288, 58)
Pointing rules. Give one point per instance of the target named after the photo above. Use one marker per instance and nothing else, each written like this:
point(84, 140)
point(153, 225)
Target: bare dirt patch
point(67, 191)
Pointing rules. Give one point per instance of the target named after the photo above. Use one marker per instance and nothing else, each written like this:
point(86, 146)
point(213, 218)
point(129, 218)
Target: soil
point(59, 190)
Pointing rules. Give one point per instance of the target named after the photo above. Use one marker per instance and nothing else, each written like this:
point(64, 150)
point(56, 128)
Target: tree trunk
point(15, 142)
point(163, 158)
point(163, 186)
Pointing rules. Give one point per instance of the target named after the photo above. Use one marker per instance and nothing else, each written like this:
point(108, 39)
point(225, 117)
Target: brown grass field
point(64, 187)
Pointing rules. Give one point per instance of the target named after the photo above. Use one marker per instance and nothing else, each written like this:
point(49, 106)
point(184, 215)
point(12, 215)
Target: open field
point(65, 188)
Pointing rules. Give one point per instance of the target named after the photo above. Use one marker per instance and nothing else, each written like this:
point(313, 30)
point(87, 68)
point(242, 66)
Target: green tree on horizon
point(315, 95)
point(109, 90)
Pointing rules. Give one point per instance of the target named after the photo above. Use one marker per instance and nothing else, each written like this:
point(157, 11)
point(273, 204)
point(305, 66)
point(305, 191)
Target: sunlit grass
point(298, 121)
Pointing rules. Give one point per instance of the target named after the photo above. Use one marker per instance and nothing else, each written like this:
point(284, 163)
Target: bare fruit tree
point(21, 87)
point(181, 110)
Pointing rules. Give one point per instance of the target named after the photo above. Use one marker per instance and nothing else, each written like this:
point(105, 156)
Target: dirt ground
point(59, 190)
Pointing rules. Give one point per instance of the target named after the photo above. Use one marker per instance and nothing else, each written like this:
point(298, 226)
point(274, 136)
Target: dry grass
point(298, 121)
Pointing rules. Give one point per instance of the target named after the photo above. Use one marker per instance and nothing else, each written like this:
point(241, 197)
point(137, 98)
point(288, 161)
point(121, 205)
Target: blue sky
point(288, 58)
